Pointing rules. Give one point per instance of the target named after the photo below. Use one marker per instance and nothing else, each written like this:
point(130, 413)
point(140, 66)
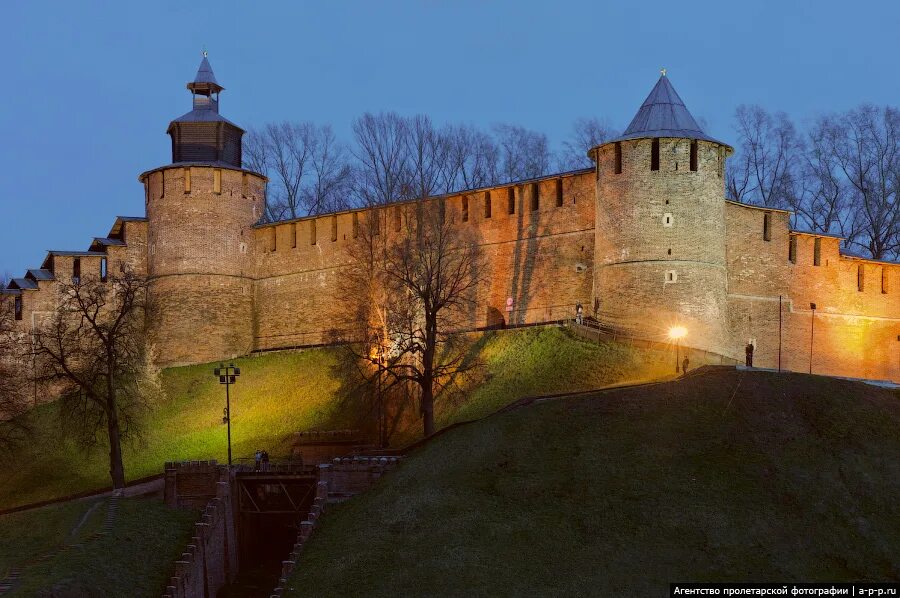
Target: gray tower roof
point(205, 80)
point(663, 114)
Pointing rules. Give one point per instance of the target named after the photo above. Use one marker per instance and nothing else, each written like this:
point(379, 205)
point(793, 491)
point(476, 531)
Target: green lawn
point(724, 476)
point(281, 393)
point(56, 554)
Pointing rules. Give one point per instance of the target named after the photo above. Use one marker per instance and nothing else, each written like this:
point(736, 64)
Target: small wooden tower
point(203, 135)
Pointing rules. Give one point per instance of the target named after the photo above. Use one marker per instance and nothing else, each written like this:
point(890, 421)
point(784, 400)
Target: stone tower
point(660, 225)
point(200, 210)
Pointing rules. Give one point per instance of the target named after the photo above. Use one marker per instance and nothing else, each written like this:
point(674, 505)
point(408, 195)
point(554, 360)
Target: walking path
point(8, 583)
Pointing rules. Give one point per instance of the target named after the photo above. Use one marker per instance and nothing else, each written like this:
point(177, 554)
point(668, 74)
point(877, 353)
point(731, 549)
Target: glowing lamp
point(677, 332)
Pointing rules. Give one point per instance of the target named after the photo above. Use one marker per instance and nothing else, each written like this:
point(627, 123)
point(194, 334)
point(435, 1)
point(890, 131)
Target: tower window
point(618, 150)
point(293, 235)
point(273, 239)
point(18, 307)
point(667, 220)
point(767, 226)
point(103, 274)
point(671, 276)
point(860, 278)
point(792, 249)
point(312, 231)
point(721, 169)
point(559, 193)
point(398, 216)
point(245, 185)
point(693, 155)
point(535, 196)
point(465, 208)
point(76, 270)
point(654, 155)
point(884, 280)
point(817, 252)
point(187, 180)
point(333, 229)
point(162, 184)
point(355, 224)
point(487, 204)
point(217, 180)
point(511, 200)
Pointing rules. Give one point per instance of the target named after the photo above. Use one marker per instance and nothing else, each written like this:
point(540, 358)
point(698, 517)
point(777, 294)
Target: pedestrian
point(265, 460)
point(685, 364)
point(579, 314)
point(748, 350)
point(258, 458)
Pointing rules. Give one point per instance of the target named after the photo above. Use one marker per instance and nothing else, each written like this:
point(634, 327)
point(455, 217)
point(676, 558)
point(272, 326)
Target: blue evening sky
point(88, 88)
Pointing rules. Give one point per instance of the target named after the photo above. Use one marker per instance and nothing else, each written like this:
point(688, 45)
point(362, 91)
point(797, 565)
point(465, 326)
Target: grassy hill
point(281, 393)
point(722, 476)
point(58, 554)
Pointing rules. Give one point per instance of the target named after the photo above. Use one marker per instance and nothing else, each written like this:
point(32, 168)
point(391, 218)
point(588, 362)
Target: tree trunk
point(116, 468)
point(427, 407)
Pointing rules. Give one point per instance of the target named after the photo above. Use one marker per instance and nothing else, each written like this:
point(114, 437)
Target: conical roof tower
point(663, 114)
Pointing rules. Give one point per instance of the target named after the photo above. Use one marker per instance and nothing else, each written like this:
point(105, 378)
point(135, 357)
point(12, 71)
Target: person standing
point(748, 350)
point(684, 365)
point(258, 458)
point(579, 314)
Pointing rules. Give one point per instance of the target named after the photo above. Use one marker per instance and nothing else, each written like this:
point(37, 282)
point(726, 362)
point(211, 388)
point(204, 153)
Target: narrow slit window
point(162, 184)
point(18, 307)
point(884, 280)
point(671, 276)
point(187, 180)
point(293, 235)
point(103, 273)
point(511, 200)
point(792, 249)
point(465, 208)
point(333, 229)
point(273, 239)
point(559, 193)
point(817, 252)
point(767, 226)
point(217, 180)
point(694, 155)
point(245, 185)
point(312, 231)
point(535, 197)
point(398, 216)
point(355, 225)
point(721, 167)
point(667, 220)
point(618, 150)
point(654, 155)
point(860, 278)
point(76, 270)
point(487, 204)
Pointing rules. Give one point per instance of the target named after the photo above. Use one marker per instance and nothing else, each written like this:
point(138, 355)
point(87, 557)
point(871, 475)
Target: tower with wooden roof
point(660, 257)
point(201, 209)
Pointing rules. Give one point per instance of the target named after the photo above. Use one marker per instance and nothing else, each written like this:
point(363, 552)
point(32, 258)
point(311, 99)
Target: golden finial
point(663, 71)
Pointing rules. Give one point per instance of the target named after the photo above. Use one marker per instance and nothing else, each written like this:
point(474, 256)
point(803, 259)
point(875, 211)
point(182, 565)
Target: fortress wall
point(855, 331)
point(133, 256)
point(542, 259)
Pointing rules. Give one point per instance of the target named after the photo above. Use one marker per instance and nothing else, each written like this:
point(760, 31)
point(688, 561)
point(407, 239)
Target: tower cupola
point(203, 135)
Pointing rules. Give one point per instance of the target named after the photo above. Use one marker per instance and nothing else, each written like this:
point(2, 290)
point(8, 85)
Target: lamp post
point(227, 376)
point(812, 333)
point(676, 333)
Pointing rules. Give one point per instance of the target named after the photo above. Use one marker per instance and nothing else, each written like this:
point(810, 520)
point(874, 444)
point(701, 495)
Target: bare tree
point(865, 144)
point(14, 374)
point(414, 292)
point(92, 350)
point(524, 154)
point(473, 158)
point(307, 168)
point(586, 133)
point(765, 172)
point(382, 154)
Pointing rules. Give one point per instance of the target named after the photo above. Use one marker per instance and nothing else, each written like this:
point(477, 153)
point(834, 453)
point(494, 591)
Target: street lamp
point(812, 333)
point(227, 376)
point(676, 333)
